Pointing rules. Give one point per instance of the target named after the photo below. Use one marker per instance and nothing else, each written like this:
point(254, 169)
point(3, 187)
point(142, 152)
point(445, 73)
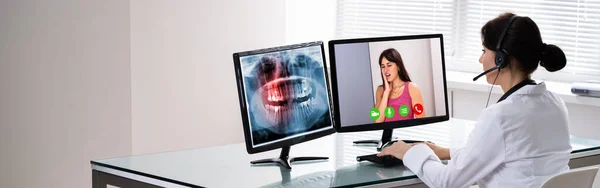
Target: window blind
point(375, 18)
point(573, 25)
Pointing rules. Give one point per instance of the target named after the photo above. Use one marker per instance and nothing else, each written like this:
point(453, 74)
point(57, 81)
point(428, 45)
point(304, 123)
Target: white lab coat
point(519, 142)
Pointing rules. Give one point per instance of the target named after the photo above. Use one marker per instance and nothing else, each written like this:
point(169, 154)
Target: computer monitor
point(414, 68)
point(284, 98)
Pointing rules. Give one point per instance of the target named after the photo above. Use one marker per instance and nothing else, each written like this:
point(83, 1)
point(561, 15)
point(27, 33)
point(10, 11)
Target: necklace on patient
point(397, 90)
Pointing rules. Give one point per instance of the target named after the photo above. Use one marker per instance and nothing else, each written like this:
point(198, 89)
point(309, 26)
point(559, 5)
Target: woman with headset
point(523, 139)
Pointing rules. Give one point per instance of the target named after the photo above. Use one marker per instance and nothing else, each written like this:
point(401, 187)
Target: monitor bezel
point(286, 142)
point(384, 125)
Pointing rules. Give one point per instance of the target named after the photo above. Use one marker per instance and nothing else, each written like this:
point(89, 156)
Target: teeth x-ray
point(285, 93)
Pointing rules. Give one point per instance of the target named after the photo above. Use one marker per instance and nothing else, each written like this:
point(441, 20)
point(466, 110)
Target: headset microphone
point(485, 72)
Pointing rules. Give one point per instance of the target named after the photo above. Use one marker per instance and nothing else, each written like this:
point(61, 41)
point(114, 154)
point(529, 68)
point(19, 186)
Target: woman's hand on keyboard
point(397, 150)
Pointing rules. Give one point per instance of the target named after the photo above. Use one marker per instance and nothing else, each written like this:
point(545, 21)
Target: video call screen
point(286, 94)
point(413, 72)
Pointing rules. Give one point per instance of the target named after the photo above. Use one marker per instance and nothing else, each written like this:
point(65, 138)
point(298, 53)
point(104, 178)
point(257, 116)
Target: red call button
point(418, 109)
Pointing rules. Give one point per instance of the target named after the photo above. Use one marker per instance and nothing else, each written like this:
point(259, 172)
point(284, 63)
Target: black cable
point(491, 88)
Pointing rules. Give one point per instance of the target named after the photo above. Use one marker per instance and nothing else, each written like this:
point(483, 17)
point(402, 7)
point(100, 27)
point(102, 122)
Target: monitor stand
point(385, 138)
point(285, 160)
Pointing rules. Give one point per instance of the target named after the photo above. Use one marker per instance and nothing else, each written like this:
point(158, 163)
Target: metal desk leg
point(102, 180)
point(584, 161)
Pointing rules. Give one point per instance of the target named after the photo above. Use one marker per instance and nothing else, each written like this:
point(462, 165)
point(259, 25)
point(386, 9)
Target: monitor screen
point(285, 92)
point(413, 69)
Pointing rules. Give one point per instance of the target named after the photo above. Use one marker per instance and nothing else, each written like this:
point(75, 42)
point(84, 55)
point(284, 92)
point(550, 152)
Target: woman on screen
point(397, 91)
point(523, 139)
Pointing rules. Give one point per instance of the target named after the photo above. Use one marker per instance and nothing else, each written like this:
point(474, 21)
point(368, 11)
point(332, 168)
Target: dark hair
point(523, 41)
point(392, 55)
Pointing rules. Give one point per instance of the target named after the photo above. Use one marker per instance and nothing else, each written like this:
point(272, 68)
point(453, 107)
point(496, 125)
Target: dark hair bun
point(553, 58)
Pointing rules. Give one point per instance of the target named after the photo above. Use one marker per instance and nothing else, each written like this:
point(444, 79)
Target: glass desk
point(229, 165)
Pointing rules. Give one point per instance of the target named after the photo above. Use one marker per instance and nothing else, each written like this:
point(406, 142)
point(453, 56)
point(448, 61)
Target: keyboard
point(386, 160)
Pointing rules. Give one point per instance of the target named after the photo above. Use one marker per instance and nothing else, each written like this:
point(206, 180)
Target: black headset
point(501, 58)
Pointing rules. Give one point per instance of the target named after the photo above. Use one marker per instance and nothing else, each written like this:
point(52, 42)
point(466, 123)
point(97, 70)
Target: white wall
point(468, 104)
point(309, 20)
point(64, 89)
point(183, 88)
point(416, 55)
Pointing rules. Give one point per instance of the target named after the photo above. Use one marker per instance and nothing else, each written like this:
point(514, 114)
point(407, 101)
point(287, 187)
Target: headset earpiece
point(501, 58)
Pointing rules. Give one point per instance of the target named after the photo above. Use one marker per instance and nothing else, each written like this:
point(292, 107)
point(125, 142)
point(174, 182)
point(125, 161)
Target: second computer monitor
point(412, 66)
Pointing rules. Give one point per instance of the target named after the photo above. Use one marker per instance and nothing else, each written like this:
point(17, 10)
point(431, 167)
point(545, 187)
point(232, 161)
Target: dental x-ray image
point(285, 92)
